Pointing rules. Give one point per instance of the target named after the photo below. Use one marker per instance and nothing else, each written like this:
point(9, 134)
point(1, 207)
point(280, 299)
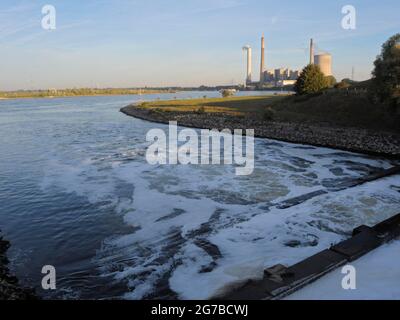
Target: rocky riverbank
point(351, 139)
point(9, 287)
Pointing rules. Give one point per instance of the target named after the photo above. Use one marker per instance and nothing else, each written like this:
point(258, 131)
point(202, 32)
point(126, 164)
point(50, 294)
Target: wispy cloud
point(16, 21)
point(7, 30)
point(28, 37)
point(17, 9)
point(218, 5)
point(363, 30)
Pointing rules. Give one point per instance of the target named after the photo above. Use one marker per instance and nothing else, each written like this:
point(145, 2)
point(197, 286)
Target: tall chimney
point(249, 67)
point(262, 65)
point(311, 51)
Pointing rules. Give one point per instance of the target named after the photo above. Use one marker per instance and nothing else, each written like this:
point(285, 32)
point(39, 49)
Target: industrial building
point(270, 77)
point(323, 60)
point(283, 76)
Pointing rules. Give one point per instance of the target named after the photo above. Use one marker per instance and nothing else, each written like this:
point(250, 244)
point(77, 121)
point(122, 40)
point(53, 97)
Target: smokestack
point(262, 65)
point(249, 66)
point(311, 51)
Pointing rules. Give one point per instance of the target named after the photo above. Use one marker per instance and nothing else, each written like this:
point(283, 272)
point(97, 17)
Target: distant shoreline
point(71, 96)
point(36, 94)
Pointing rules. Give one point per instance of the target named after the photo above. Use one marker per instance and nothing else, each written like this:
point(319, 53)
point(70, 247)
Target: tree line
point(75, 92)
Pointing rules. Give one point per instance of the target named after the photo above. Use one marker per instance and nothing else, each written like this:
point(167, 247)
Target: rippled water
point(77, 193)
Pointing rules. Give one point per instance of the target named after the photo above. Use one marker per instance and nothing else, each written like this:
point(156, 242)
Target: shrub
point(227, 93)
point(342, 85)
point(269, 114)
point(386, 75)
point(311, 80)
point(201, 110)
point(331, 81)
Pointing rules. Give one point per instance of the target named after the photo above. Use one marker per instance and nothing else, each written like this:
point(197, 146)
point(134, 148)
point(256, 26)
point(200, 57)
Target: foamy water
point(168, 231)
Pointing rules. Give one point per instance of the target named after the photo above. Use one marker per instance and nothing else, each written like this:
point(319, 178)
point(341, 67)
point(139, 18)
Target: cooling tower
point(324, 61)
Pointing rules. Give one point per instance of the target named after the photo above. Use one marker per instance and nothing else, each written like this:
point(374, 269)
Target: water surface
point(77, 193)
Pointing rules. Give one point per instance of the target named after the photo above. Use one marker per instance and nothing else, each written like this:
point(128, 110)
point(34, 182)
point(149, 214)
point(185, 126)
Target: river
point(77, 193)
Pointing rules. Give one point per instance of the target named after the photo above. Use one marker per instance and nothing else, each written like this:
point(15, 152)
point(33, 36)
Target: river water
point(77, 193)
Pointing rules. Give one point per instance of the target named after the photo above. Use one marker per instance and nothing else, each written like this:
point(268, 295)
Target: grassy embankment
point(75, 93)
point(240, 106)
point(334, 108)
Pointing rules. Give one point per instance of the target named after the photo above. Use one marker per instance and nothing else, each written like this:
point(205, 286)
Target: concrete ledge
point(358, 245)
point(300, 199)
point(388, 229)
point(280, 281)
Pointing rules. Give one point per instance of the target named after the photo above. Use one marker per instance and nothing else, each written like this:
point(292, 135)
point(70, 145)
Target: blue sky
point(122, 43)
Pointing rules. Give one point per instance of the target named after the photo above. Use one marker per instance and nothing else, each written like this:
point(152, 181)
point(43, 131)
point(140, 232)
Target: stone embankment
point(351, 139)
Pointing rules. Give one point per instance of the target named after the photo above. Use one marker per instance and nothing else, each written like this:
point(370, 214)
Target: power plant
point(272, 78)
point(282, 77)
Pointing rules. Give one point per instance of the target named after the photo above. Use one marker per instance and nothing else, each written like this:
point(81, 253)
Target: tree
point(344, 84)
point(311, 80)
point(227, 93)
point(331, 81)
point(386, 76)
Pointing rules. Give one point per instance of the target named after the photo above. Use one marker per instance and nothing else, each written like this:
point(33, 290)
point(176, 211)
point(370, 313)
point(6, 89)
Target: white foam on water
point(198, 229)
point(249, 247)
